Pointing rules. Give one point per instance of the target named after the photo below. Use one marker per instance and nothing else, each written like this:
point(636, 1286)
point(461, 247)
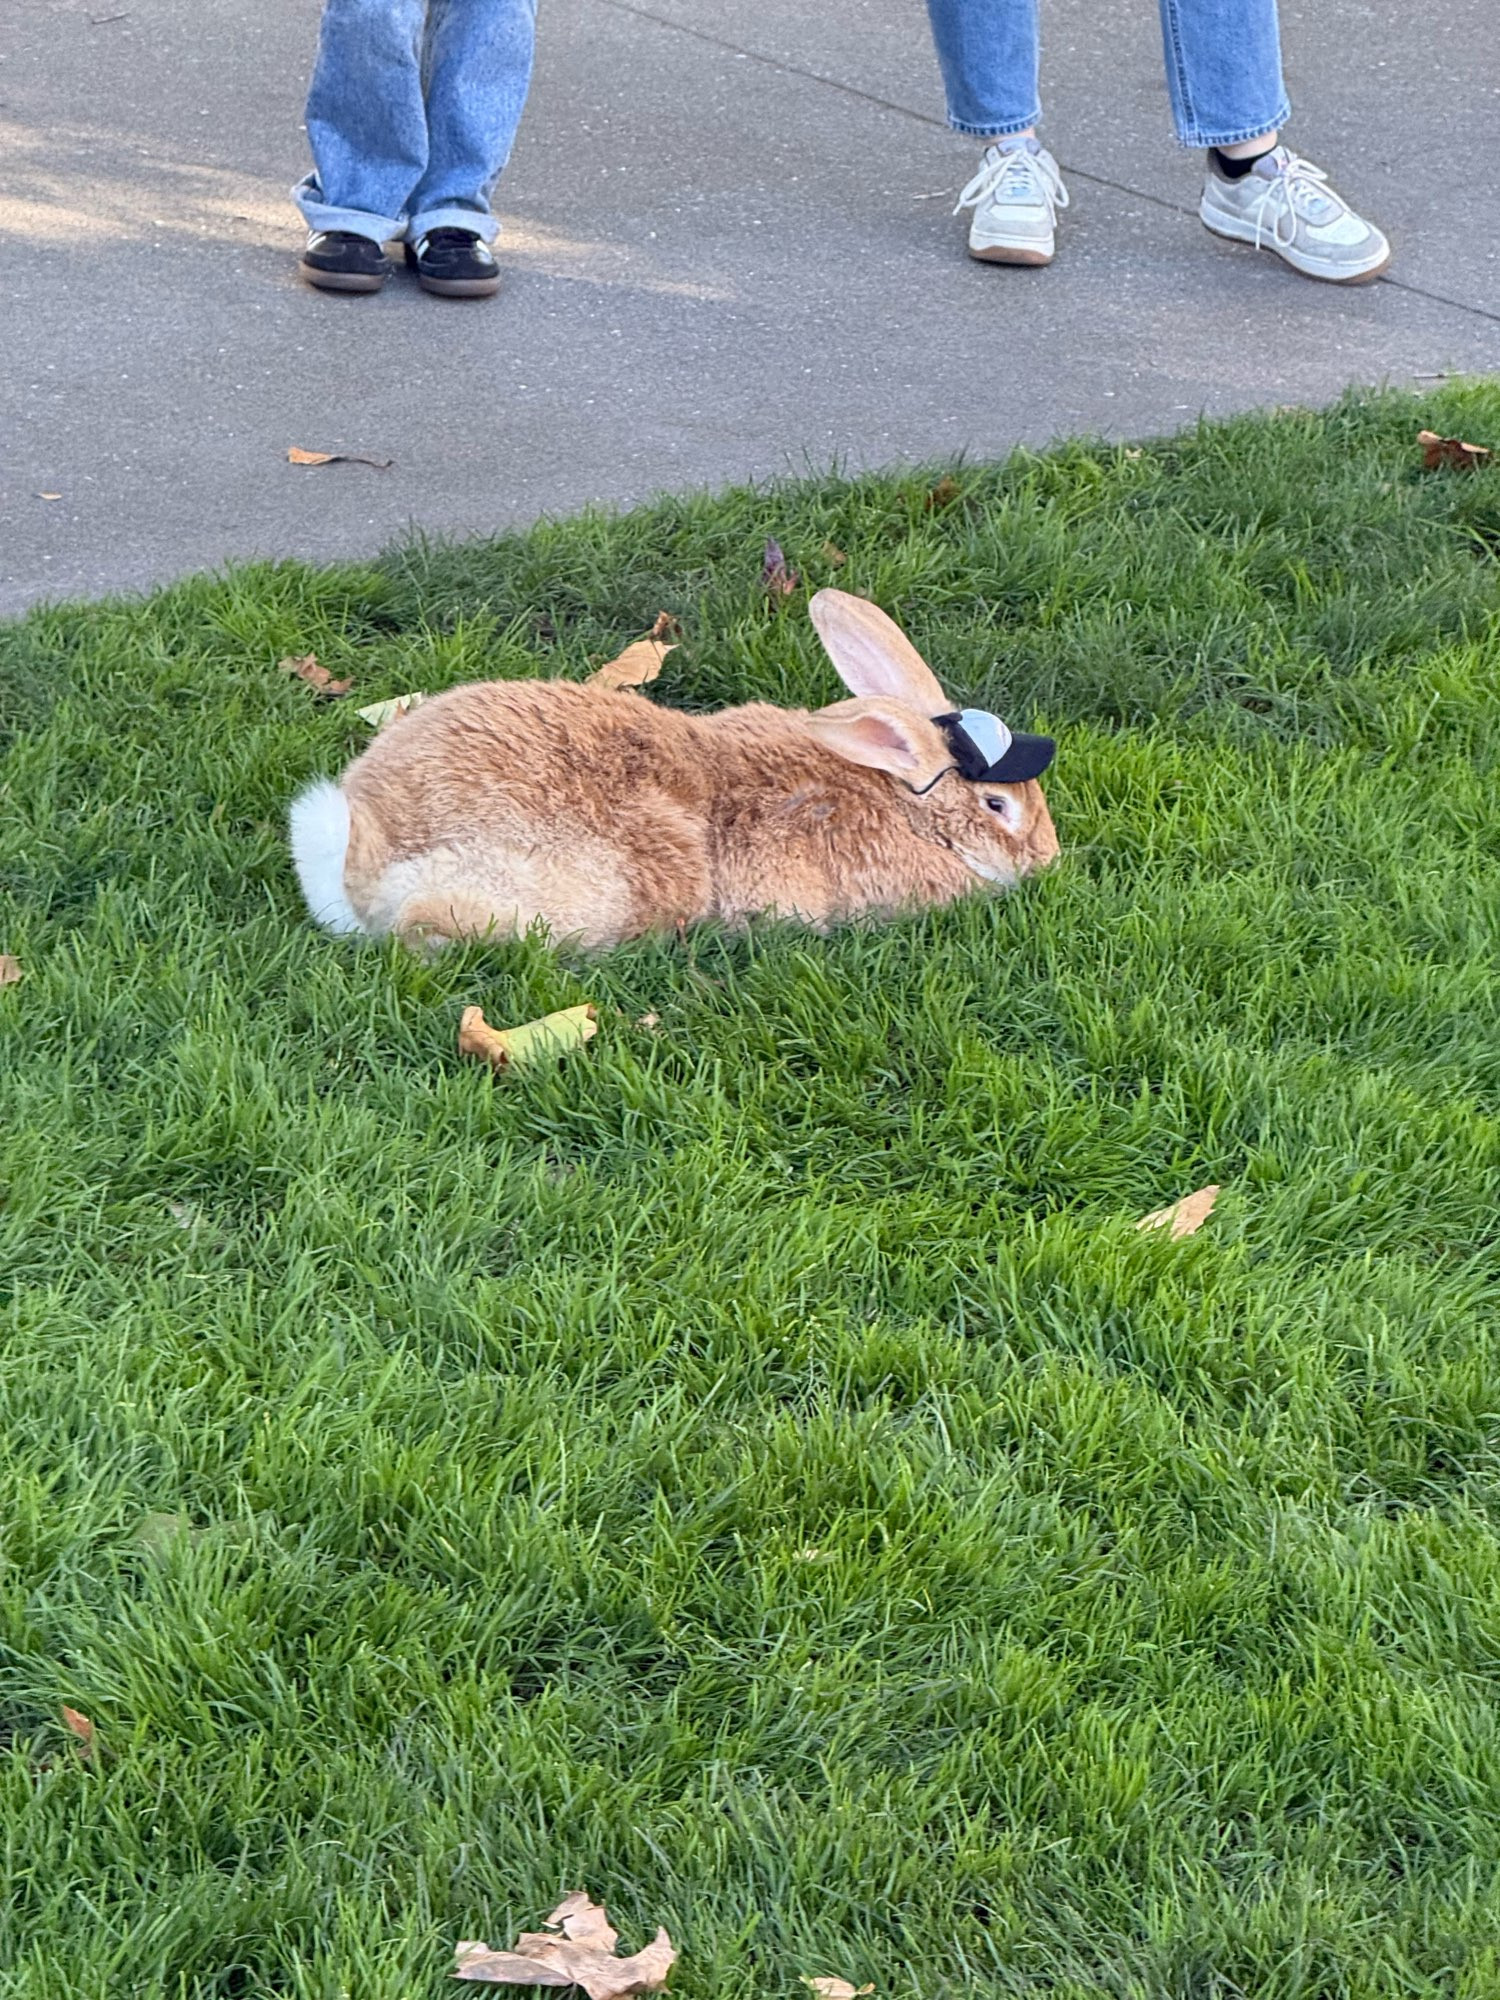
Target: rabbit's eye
point(1000, 804)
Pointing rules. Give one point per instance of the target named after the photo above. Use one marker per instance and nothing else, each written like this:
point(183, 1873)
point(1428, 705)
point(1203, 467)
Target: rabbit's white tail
point(320, 840)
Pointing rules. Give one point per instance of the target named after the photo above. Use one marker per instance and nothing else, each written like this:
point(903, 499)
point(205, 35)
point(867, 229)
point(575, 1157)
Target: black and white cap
point(985, 750)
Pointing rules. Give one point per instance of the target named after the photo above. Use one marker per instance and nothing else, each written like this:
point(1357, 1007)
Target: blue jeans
point(1223, 67)
point(412, 113)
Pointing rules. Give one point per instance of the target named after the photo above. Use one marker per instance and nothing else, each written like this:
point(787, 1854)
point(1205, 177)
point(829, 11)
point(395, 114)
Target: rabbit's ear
point(873, 655)
point(886, 736)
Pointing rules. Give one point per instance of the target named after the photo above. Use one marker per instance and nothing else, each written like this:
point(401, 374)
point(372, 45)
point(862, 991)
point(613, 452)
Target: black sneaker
point(455, 263)
point(335, 260)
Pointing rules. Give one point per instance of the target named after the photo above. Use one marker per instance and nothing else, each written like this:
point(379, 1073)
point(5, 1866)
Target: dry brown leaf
point(553, 1035)
point(942, 495)
point(80, 1727)
point(379, 714)
point(1185, 1217)
point(306, 668)
point(297, 456)
point(641, 660)
point(834, 555)
point(577, 1950)
point(838, 1989)
point(777, 577)
point(1450, 452)
point(10, 969)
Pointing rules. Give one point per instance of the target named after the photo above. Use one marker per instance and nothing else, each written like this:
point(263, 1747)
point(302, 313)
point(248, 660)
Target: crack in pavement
point(941, 125)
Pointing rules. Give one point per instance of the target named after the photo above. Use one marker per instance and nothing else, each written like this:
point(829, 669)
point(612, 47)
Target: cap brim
point(1027, 757)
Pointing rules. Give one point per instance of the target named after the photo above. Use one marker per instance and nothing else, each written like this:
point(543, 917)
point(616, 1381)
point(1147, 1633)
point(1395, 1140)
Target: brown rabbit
point(599, 813)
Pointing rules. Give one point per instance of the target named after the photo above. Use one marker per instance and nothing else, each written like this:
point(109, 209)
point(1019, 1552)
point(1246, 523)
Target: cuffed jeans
point(412, 113)
point(1223, 67)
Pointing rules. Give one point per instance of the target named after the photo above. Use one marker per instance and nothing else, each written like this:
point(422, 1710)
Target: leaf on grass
point(1185, 1217)
point(648, 1020)
point(10, 969)
point(156, 1533)
point(641, 661)
point(777, 577)
point(942, 495)
point(306, 668)
point(577, 1950)
point(834, 555)
point(554, 1035)
point(380, 713)
point(1450, 452)
point(838, 1989)
point(80, 1727)
point(297, 456)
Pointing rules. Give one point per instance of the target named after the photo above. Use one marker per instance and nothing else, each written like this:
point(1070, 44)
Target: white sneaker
point(1015, 197)
point(1286, 205)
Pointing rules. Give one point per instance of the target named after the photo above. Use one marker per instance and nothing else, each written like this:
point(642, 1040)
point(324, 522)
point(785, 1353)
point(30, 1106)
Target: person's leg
point(1224, 70)
point(477, 67)
point(365, 120)
point(988, 53)
point(1223, 60)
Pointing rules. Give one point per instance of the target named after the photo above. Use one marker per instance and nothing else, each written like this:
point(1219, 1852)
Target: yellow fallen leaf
point(305, 667)
point(80, 1727)
point(641, 661)
point(578, 1949)
point(838, 1989)
point(834, 555)
point(10, 969)
point(534, 1041)
point(1184, 1217)
point(380, 713)
point(297, 456)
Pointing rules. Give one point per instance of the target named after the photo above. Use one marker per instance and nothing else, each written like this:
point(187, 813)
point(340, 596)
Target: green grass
point(754, 1470)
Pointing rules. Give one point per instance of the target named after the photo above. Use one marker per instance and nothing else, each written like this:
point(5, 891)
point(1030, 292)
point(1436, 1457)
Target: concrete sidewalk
point(728, 254)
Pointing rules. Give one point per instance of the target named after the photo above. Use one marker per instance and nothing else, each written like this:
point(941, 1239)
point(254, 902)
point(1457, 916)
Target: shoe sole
point(340, 281)
point(1231, 231)
point(1011, 253)
point(459, 288)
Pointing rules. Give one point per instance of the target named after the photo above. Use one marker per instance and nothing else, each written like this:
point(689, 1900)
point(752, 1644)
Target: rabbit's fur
point(602, 815)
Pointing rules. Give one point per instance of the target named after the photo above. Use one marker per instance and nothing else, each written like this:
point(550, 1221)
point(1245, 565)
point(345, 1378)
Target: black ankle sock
point(1235, 170)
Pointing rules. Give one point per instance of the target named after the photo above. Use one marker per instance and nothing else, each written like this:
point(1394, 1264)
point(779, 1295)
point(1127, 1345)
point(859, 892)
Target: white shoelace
point(1301, 186)
point(1033, 174)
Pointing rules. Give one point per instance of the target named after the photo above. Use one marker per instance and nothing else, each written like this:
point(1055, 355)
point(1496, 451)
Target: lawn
point(754, 1470)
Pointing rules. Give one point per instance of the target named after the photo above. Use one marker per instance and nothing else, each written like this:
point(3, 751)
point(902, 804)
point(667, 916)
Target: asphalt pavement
point(728, 254)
